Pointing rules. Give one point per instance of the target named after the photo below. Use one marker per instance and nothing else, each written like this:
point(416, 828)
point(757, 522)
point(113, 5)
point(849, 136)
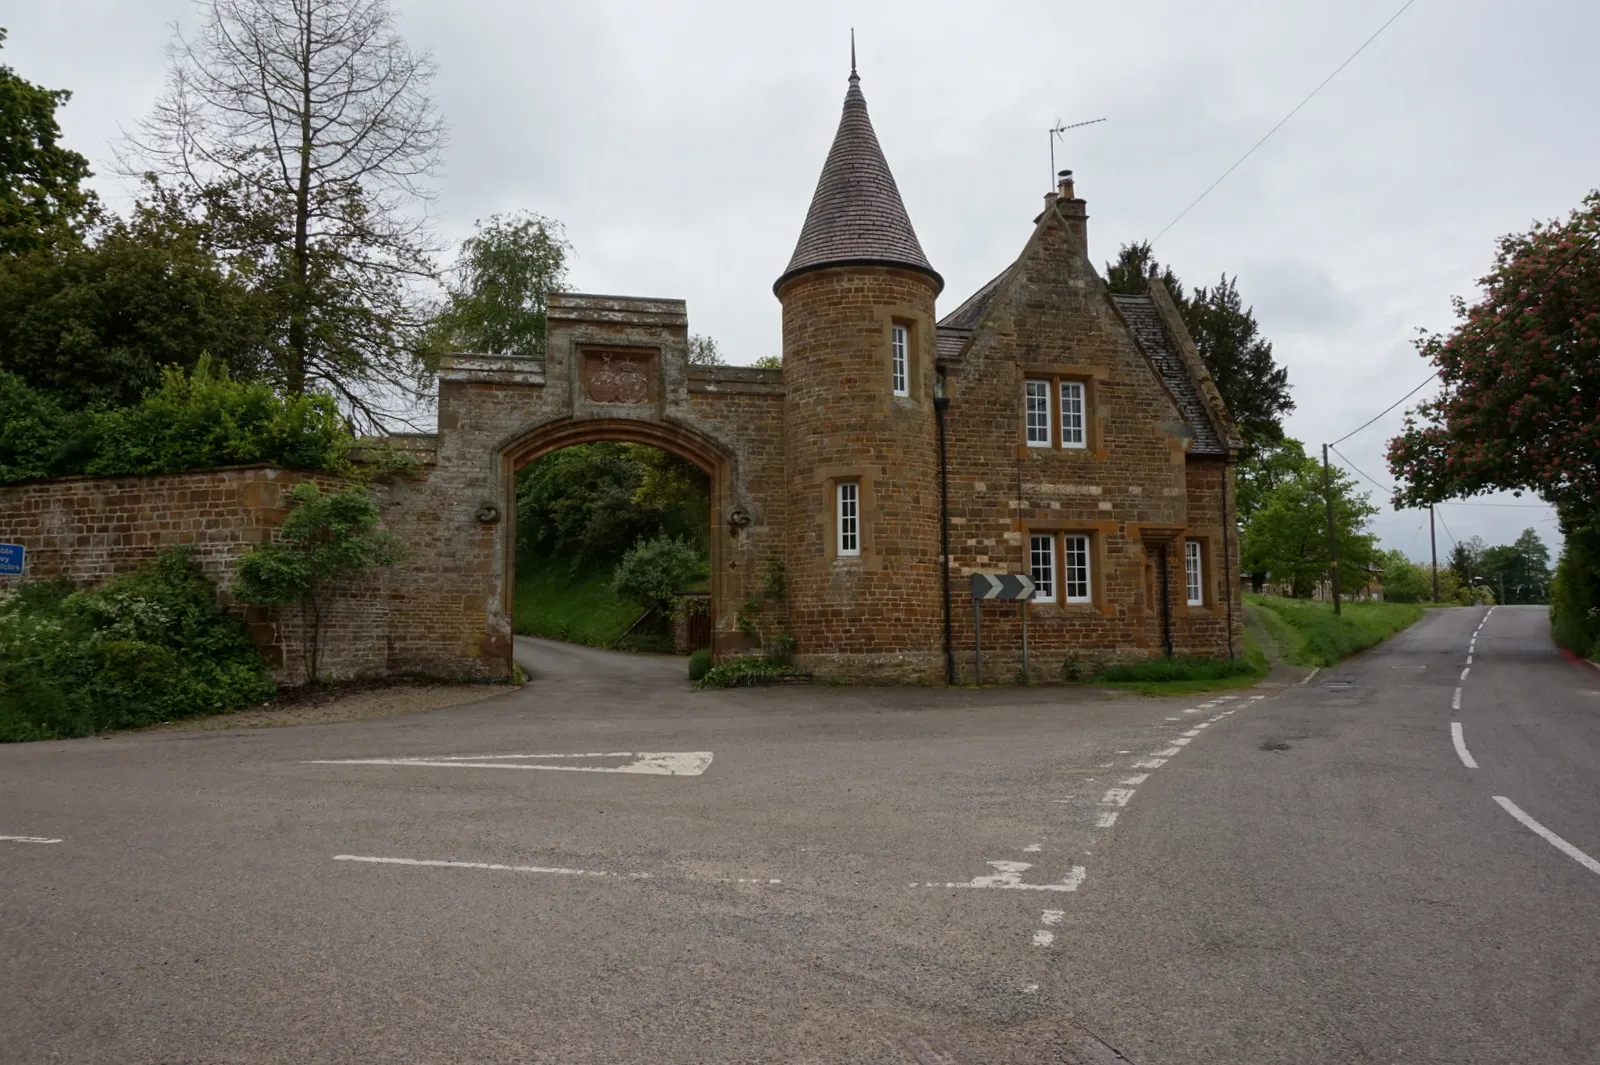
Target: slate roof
point(953, 330)
point(1152, 335)
point(856, 213)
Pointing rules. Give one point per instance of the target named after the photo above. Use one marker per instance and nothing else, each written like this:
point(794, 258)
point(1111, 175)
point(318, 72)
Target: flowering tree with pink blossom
point(1520, 406)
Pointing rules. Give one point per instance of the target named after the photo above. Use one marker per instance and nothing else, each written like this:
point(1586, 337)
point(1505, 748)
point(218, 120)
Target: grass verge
point(1308, 633)
point(1189, 675)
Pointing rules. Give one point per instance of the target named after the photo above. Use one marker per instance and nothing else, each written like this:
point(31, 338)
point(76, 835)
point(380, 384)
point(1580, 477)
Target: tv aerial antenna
point(1057, 130)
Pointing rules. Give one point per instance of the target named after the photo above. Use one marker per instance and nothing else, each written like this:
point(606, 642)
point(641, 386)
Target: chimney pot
point(1065, 185)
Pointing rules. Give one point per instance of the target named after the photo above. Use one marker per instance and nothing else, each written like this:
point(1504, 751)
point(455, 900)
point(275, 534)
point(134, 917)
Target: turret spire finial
point(853, 75)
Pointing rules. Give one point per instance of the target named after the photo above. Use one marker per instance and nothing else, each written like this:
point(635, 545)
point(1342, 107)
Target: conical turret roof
point(856, 215)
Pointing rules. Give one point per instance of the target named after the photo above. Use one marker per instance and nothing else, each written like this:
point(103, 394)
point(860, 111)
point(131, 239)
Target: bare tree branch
point(302, 131)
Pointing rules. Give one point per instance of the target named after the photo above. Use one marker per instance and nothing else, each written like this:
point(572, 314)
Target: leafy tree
point(41, 183)
point(325, 540)
point(654, 572)
point(1464, 561)
point(95, 322)
point(1287, 536)
point(1252, 383)
point(591, 502)
point(1228, 338)
point(504, 276)
point(769, 362)
point(1520, 377)
point(1134, 269)
point(1262, 469)
point(1403, 580)
point(1518, 572)
point(302, 131)
point(703, 351)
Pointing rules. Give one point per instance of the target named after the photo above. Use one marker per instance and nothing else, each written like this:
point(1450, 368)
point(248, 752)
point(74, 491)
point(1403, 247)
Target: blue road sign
point(12, 556)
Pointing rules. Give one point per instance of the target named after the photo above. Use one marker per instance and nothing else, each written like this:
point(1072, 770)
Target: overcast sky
point(680, 143)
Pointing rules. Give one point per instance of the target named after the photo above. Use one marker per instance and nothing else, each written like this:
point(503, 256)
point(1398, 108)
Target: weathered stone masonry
point(1155, 471)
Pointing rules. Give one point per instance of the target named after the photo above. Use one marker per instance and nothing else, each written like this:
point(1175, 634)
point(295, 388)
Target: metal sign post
point(977, 642)
point(1013, 586)
point(1025, 642)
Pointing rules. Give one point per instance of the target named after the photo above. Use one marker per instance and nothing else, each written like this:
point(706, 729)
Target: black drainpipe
point(941, 403)
point(1227, 562)
point(1166, 600)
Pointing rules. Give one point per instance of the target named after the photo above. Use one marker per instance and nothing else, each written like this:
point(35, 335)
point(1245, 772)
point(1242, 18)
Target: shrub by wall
point(149, 646)
point(192, 421)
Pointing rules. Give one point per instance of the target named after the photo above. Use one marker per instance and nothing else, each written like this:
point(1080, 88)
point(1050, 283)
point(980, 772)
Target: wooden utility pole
point(1433, 545)
point(1333, 537)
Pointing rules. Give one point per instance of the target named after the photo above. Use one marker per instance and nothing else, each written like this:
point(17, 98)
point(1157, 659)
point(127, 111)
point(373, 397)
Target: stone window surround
point(1181, 607)
point(828, 480)
point(1091, 378)
point(1098, 532)
point(847, 491)
point(918, 327)
point(1194, 573)
point(900, 360)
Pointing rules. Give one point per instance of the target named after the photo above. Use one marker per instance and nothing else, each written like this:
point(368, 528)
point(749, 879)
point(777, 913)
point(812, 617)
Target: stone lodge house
point(1042, 426)
point(1084, 443)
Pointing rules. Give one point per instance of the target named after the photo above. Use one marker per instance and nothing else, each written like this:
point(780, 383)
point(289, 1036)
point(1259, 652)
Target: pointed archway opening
point(582, 497)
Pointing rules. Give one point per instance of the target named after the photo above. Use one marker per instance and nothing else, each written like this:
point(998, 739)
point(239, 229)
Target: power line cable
point(1359, 470)
point(1385, 410)
point(1283, 120)
point(1453, 541)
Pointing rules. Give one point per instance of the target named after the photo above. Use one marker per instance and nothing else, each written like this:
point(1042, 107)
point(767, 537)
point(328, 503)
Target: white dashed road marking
point(27, 839)
point(1107, 819)
point(1150, 763)
point(1117, 797)
point(1549, 837)
point(1455, 700)
point(1461, 745)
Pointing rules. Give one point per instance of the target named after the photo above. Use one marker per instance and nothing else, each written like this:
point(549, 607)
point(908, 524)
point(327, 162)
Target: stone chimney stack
point(1074, 212)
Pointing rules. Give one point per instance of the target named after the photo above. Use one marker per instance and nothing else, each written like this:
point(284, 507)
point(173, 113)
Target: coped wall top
point(618, 310)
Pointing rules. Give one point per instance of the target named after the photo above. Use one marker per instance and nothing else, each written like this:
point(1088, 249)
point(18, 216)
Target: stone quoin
point(1083, 444)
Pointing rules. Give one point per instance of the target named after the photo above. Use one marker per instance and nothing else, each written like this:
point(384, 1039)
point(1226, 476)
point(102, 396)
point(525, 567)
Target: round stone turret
point(860, 441)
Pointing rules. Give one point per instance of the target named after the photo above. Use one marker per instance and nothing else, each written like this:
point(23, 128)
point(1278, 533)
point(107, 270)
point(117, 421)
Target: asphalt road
point(828, 875)
point(1332, 883)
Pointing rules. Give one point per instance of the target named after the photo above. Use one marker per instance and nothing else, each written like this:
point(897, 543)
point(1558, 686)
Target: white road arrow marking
point(654, 763)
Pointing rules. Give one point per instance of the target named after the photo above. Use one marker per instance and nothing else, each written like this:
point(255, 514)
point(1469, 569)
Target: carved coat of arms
point(616, 379)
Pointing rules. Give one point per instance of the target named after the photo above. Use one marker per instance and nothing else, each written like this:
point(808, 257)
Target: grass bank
point(559, 603)
point(1308, 633)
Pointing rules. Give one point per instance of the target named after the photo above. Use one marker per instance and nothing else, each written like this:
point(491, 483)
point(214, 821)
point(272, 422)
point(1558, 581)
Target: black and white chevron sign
point(1002, 586)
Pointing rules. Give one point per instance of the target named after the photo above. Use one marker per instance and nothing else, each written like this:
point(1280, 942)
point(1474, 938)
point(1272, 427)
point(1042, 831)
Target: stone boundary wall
point(90, 529)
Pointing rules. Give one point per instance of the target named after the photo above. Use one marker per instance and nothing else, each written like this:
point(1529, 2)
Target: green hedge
point(192, 421)
point(1575, 589)
point(150, 646)
point(1312, 635)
